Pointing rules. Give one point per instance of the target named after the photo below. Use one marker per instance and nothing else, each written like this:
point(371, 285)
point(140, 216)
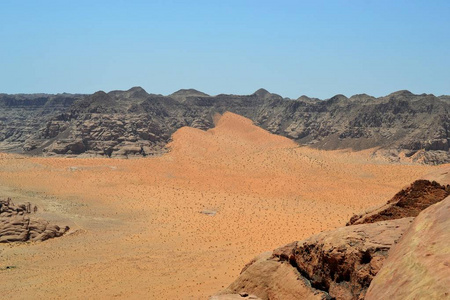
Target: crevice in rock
point(366, 257)
point(313, 284)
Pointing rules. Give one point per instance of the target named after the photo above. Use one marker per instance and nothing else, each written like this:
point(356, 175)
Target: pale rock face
point(418, 267)
point(343, 262)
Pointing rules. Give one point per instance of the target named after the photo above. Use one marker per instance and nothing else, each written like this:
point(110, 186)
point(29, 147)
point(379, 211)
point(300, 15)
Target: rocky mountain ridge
point(128, 123)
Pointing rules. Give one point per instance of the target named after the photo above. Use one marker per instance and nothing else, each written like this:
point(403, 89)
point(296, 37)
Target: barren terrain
point(182, 225)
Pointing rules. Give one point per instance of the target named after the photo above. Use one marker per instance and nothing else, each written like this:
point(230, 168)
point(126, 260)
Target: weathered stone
point(343, 262)
point(268, 278)
point(418, 267)
point(18, 225)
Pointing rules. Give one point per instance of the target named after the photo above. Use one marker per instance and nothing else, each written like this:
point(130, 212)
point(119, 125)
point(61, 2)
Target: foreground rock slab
point(17, 224)
point(418, 267)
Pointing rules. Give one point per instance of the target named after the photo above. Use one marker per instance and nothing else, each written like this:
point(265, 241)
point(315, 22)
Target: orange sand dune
point(137, 231)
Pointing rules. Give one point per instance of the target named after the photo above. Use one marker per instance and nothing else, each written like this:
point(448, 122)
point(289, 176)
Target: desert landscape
point(182, 225)
point(225, 150)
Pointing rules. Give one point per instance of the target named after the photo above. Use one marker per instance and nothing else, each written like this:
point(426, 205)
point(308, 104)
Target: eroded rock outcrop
point(418, 267)
point(344, 261)
point(18, 225)
point(409, 202)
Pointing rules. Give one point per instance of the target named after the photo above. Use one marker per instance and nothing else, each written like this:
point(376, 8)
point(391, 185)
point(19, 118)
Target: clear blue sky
point(317, 48)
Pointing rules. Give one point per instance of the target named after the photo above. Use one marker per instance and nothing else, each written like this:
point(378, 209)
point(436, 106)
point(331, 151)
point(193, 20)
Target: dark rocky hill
point(133, 122)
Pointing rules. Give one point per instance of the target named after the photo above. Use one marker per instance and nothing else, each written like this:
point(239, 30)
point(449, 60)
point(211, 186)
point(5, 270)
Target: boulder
point(75, 146)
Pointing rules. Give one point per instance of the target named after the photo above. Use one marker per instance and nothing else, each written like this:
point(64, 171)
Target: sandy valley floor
point(137, 230)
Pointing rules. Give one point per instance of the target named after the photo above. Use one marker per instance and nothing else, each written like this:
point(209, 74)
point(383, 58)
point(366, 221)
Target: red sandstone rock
point(343, 262)
point(271, 279)
point(17, 225)
point(418, 267)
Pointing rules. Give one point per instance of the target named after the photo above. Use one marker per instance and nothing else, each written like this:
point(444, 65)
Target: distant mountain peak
point(307, 99)
point(262, 93)
point(337, 98)
point(183, 94)
point(137, 92)
point(401, 93)
point(189, 92)
point(99, 95)
point(137, 89)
